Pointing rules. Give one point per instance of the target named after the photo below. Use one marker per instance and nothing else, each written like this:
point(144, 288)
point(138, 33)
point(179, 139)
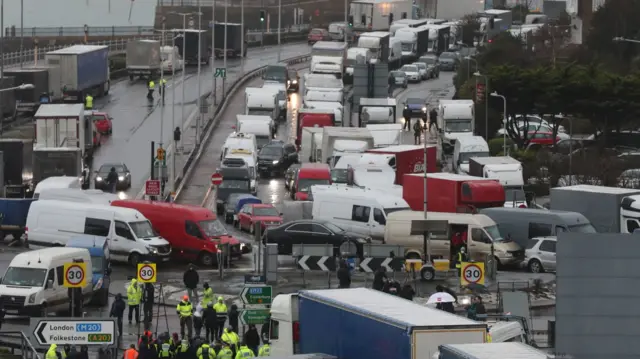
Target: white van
point(34, 281)
point(249, 159)
point(131, 237)
point(359, 210)
point(465, 148)
point(171, 61)
point(57, 182)
point(240, 141)
point(94, 196)
point(259, 128)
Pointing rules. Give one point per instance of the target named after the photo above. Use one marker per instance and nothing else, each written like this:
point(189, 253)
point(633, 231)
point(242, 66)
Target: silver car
point(540, 255)
point(448, 61)
point(412, 72)
point(400, 78)
point(422, 68)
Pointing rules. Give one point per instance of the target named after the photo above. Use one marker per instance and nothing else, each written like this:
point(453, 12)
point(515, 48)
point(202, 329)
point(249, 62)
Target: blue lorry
point(101, 267)
point(13, 216)
point(364, 323)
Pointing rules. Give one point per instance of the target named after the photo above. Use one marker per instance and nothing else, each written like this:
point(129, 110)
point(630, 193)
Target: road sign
point(147, 272)
point(216, 179)
point(160, 154)
point(317, 263)
point(75, 275)
point(256, 294)
point(254, 279)
point(152, 188)
point(74, 331)
point(220, 72)
point(472, 273)
point(254, 316)
point(480, 92)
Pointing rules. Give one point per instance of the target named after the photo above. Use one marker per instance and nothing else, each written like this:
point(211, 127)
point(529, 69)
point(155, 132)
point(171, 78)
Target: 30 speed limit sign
point(75, 275)
point(472, 273)
point(147, 272)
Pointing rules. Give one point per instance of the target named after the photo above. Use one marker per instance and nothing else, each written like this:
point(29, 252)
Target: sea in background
point(71, 13)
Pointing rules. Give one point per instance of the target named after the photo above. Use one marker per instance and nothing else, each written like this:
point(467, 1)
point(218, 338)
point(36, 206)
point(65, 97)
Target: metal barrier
point(18, 342)
point(79, 31)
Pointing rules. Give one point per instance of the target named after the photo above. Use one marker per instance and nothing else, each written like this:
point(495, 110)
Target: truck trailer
point(235, 38)
point(192, 45)
point(60, 161)
point(361, 323)
point(490, 351)
point(77, 71)
point(508, 171)
point(378, 15)
point(28, 100)
point(143, 59)
point(609, 209)
point(63, 126)
point(408, 159)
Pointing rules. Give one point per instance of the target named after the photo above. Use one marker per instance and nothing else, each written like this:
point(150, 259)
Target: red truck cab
point(194, 232)
point(308, 117)
point(409, 159)
point(452, 193)
point(308, 175)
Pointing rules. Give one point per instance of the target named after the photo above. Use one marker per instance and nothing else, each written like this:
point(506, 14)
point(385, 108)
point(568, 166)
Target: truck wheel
point(427, 274)
point(206, 259)
point(107, 87)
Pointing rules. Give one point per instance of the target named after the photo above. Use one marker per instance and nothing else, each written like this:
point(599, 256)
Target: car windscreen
point(514, 194)
point(339, 175)
point(212, 228)
point(332, 227)
point(262, 140)
point(142, 229)
point(448, 55)
point(582, 228)
point(398, 74)
point(421, 65)
point(388, 211)
point(275, 73)
point(494, 233)
point(457, 126)
point(235, 184)
point(107, 168)
point(415, 101)
point(271, 151)
point(428, 60)
point(24, 277)
point(409, 69)
point(97, 264)
point(265, 212)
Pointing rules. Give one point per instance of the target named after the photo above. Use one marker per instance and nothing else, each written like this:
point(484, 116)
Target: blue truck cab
point(101, 266)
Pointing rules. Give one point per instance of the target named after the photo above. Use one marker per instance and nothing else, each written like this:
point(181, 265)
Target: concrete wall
point(598, 296)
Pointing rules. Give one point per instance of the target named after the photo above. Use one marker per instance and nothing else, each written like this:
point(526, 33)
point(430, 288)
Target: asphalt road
point(136, 123)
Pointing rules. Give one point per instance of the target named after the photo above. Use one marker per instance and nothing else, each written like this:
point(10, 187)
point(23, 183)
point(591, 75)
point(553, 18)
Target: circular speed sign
point(74, 275)
point(147, 272)
point(472, 273)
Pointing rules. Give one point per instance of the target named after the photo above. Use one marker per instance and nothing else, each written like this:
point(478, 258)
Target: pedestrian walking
point(2, 314)
point(84, 352)
point(265, 350)
point(244, 352)
point(417, 132)
point(198, 322)
point(364, 117)
point(407, 123)
point(344, 275)
point(207, 295)
point(407, 292)
point(251, 338)
point(66, 349)
point(134, 295)
point(104, 354)
point(460, 258)
point(221, 316)
point(392, 83)
point(447, 307)
point(231, 337)
point(191, 279)
point(148, 299)
point(234, 314)
point(264, 331)
point(52, 352)
point(88, 102)
point(185, 312)
point(210, 323)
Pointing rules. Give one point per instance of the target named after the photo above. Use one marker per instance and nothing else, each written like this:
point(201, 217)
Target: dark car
point(290, 175)
point(276, 73)
point(415, 108)
point(448, 61)
point(399, 78)
point(236, 178)
point(294, 81)
point(433, 65)
point(124, 176)
point(312, 232)
point(276, 157)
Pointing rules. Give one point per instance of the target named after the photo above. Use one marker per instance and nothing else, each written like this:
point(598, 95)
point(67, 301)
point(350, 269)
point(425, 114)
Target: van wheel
point(134, 259)
point(206, 259)
point(427, 274)
point(535, 266)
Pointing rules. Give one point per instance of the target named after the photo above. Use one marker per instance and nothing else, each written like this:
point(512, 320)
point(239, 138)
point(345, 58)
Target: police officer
point(183, 351)
point(205, 352)
point(244, 352)
point(225, 352)
point(133, 299)
point(207, 295)
point(88, 102)
point(151, 87)
point(165, 351)
point(52, 353)
point(209, 317)
point(230, 337)
point(462, 257)
point(66, 349)
point(185, 311)
point(265, 350)
point(221, 315)
point(488, 339)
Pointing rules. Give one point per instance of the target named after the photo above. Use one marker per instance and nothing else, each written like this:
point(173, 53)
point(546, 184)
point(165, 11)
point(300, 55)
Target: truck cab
point(320, 117)
point(98, 248)
point(284, 325)
point(456, 118)
point(378, 111)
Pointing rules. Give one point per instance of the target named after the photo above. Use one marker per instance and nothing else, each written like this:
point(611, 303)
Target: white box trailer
point(63, 126)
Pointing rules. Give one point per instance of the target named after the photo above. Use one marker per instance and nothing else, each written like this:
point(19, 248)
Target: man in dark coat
point(344, 276)
point(210, 323)
point(117, 311)
point(379, 279)
point(233, 317)
point(148, 301)
point(407, 292)
point(191, 280)
point(84, 352)
point(447, 307)
point(252, 338)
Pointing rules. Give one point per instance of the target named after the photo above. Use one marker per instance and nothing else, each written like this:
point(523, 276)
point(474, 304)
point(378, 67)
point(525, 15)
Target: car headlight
point(99, 179)
point(288, 82)
point(295, 82)
point(32, 298)
point(424, 109)
point(276, 162)
point(464, 300)
point(152, 250)
point(98, 285)
point(121, 178)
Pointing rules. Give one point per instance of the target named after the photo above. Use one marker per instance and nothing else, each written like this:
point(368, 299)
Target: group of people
point(151, 87)
point(67, 352)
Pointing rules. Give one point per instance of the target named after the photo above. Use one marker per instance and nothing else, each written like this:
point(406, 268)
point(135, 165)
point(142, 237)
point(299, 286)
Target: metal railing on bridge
point(78, 31)
point(18, 344)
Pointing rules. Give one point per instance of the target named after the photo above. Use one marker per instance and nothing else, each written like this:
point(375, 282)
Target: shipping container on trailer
point(28, 101)
point(192, 53)
point(409, 159)
point(234, 40)
point(13, 160)
point(512, 350)
point(63, 126)
point(78, 70)
point(143, 58)
point(339, 321)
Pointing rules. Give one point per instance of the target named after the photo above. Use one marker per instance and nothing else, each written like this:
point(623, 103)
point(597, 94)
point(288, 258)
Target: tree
point(504, 49)
point(470, 30)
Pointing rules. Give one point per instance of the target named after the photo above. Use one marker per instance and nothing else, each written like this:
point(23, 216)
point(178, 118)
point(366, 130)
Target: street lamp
point(504, 133)
point(486, 101)
point(21, 87)
point(469, 58)
point(623, 39)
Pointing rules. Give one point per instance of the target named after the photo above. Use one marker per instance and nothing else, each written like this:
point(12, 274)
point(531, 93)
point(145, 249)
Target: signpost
point(216, 179)
point(259, 296)
point(75, 275)
point(255, 279)
point(152, 187)
point(73, 331)
point(256, 295)
point(147, 272)
point(254, 316)
point(472, 273)
point(220, 72)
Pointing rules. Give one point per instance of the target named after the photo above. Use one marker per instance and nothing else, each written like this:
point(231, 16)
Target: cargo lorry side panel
point(422, 42)
point(8, 98)
point(339, 332)
point(234, 40)
point(143, 57)
point(28, 100)
point(92, 68)
point(49, 162)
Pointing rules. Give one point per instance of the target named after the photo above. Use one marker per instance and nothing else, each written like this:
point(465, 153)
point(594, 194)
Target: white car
point(535, 127)
point(629, 178)
point(422, 69)
point(412, 72)
point(540, 255)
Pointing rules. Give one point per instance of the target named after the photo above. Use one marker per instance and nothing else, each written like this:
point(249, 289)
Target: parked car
point(543, 138)
point(276, 157)
point(265, 213)
point(540, 255)
point(318, 34)
point(535, 127)
point(433, 65)
point(294, 81)
point(312, 232)
point(400, 78)
point(422, 69)
point(448, 61)
point(412, 72)
point(101, 121)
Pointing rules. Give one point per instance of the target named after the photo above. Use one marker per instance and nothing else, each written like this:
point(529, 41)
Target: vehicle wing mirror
point(49, 284)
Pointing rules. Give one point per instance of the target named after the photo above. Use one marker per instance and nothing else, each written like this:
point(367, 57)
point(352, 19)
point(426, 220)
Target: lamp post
point(469, 58)
point(624, 39)
point(504, 133)
point(486, 102)
point(279, 26)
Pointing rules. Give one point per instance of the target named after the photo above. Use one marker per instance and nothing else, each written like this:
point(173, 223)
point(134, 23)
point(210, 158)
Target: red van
point(308, 175)
point(193, 232)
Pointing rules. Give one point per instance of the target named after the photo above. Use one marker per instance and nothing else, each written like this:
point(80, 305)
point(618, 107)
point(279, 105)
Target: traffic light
point(350, 20)
point(262, 15)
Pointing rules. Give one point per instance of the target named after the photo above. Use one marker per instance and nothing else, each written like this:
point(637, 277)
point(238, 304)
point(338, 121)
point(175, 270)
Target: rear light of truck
point(296, 332)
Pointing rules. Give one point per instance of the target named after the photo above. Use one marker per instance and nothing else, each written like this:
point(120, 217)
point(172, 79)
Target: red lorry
point(409, 159)
point(313, 117)
point(452, 193)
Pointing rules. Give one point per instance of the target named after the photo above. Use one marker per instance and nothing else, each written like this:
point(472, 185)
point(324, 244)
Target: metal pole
point(486, 108)
point(73, 302)
point(346, 20)
point(279, 26)
point(224, 61)
point(162, 91)
point(262, 24)
point(243, 36)
point(2, 37)
point(504, 133)
point(213, 53)
point(427, 255)
point(199, 102)
point(21, 32)
point(184, 61)
point(173, 120)
point(570, 152)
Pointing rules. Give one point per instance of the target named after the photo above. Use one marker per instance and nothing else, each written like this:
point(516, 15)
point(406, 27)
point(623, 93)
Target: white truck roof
point(393, 309)
point(260, 100)
point(452, 109)
point(378, 34)
point(355, 51)
point(42, 257)
point(378, 102)
point(329, 45)
point(496, 160)
point(496, 350)
point(60, 110)
point(386, 134)
point(253, 118)
point(368, 194)
point(77, 49)
point(449, 176)
point(598, 189)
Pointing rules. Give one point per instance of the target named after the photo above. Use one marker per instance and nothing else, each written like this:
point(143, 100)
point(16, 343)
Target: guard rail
point(197, 151)
point(18, 342)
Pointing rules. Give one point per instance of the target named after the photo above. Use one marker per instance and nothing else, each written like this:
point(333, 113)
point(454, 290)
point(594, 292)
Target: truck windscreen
point(275, 73)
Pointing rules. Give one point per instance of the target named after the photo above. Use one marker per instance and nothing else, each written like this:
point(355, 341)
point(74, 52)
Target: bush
point(496, 145)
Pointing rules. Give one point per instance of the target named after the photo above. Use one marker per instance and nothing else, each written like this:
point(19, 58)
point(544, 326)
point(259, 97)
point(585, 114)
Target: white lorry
point(465, 148)
point(402, 23)
point(310, 136)
point(352, 57)
point(63, 126)
point(508, 171)
point(143, 58)
point(328, 57)
point(455, 10)
point(337, 141)
point(322, 82)
point(386, 134)
point(377, 111)
point(259, 126)
point(376, 15)
point(609, 209)
point(334, 106)
point(377, 42)
point(456, 118)
point(171, 60)
point(258, 102)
